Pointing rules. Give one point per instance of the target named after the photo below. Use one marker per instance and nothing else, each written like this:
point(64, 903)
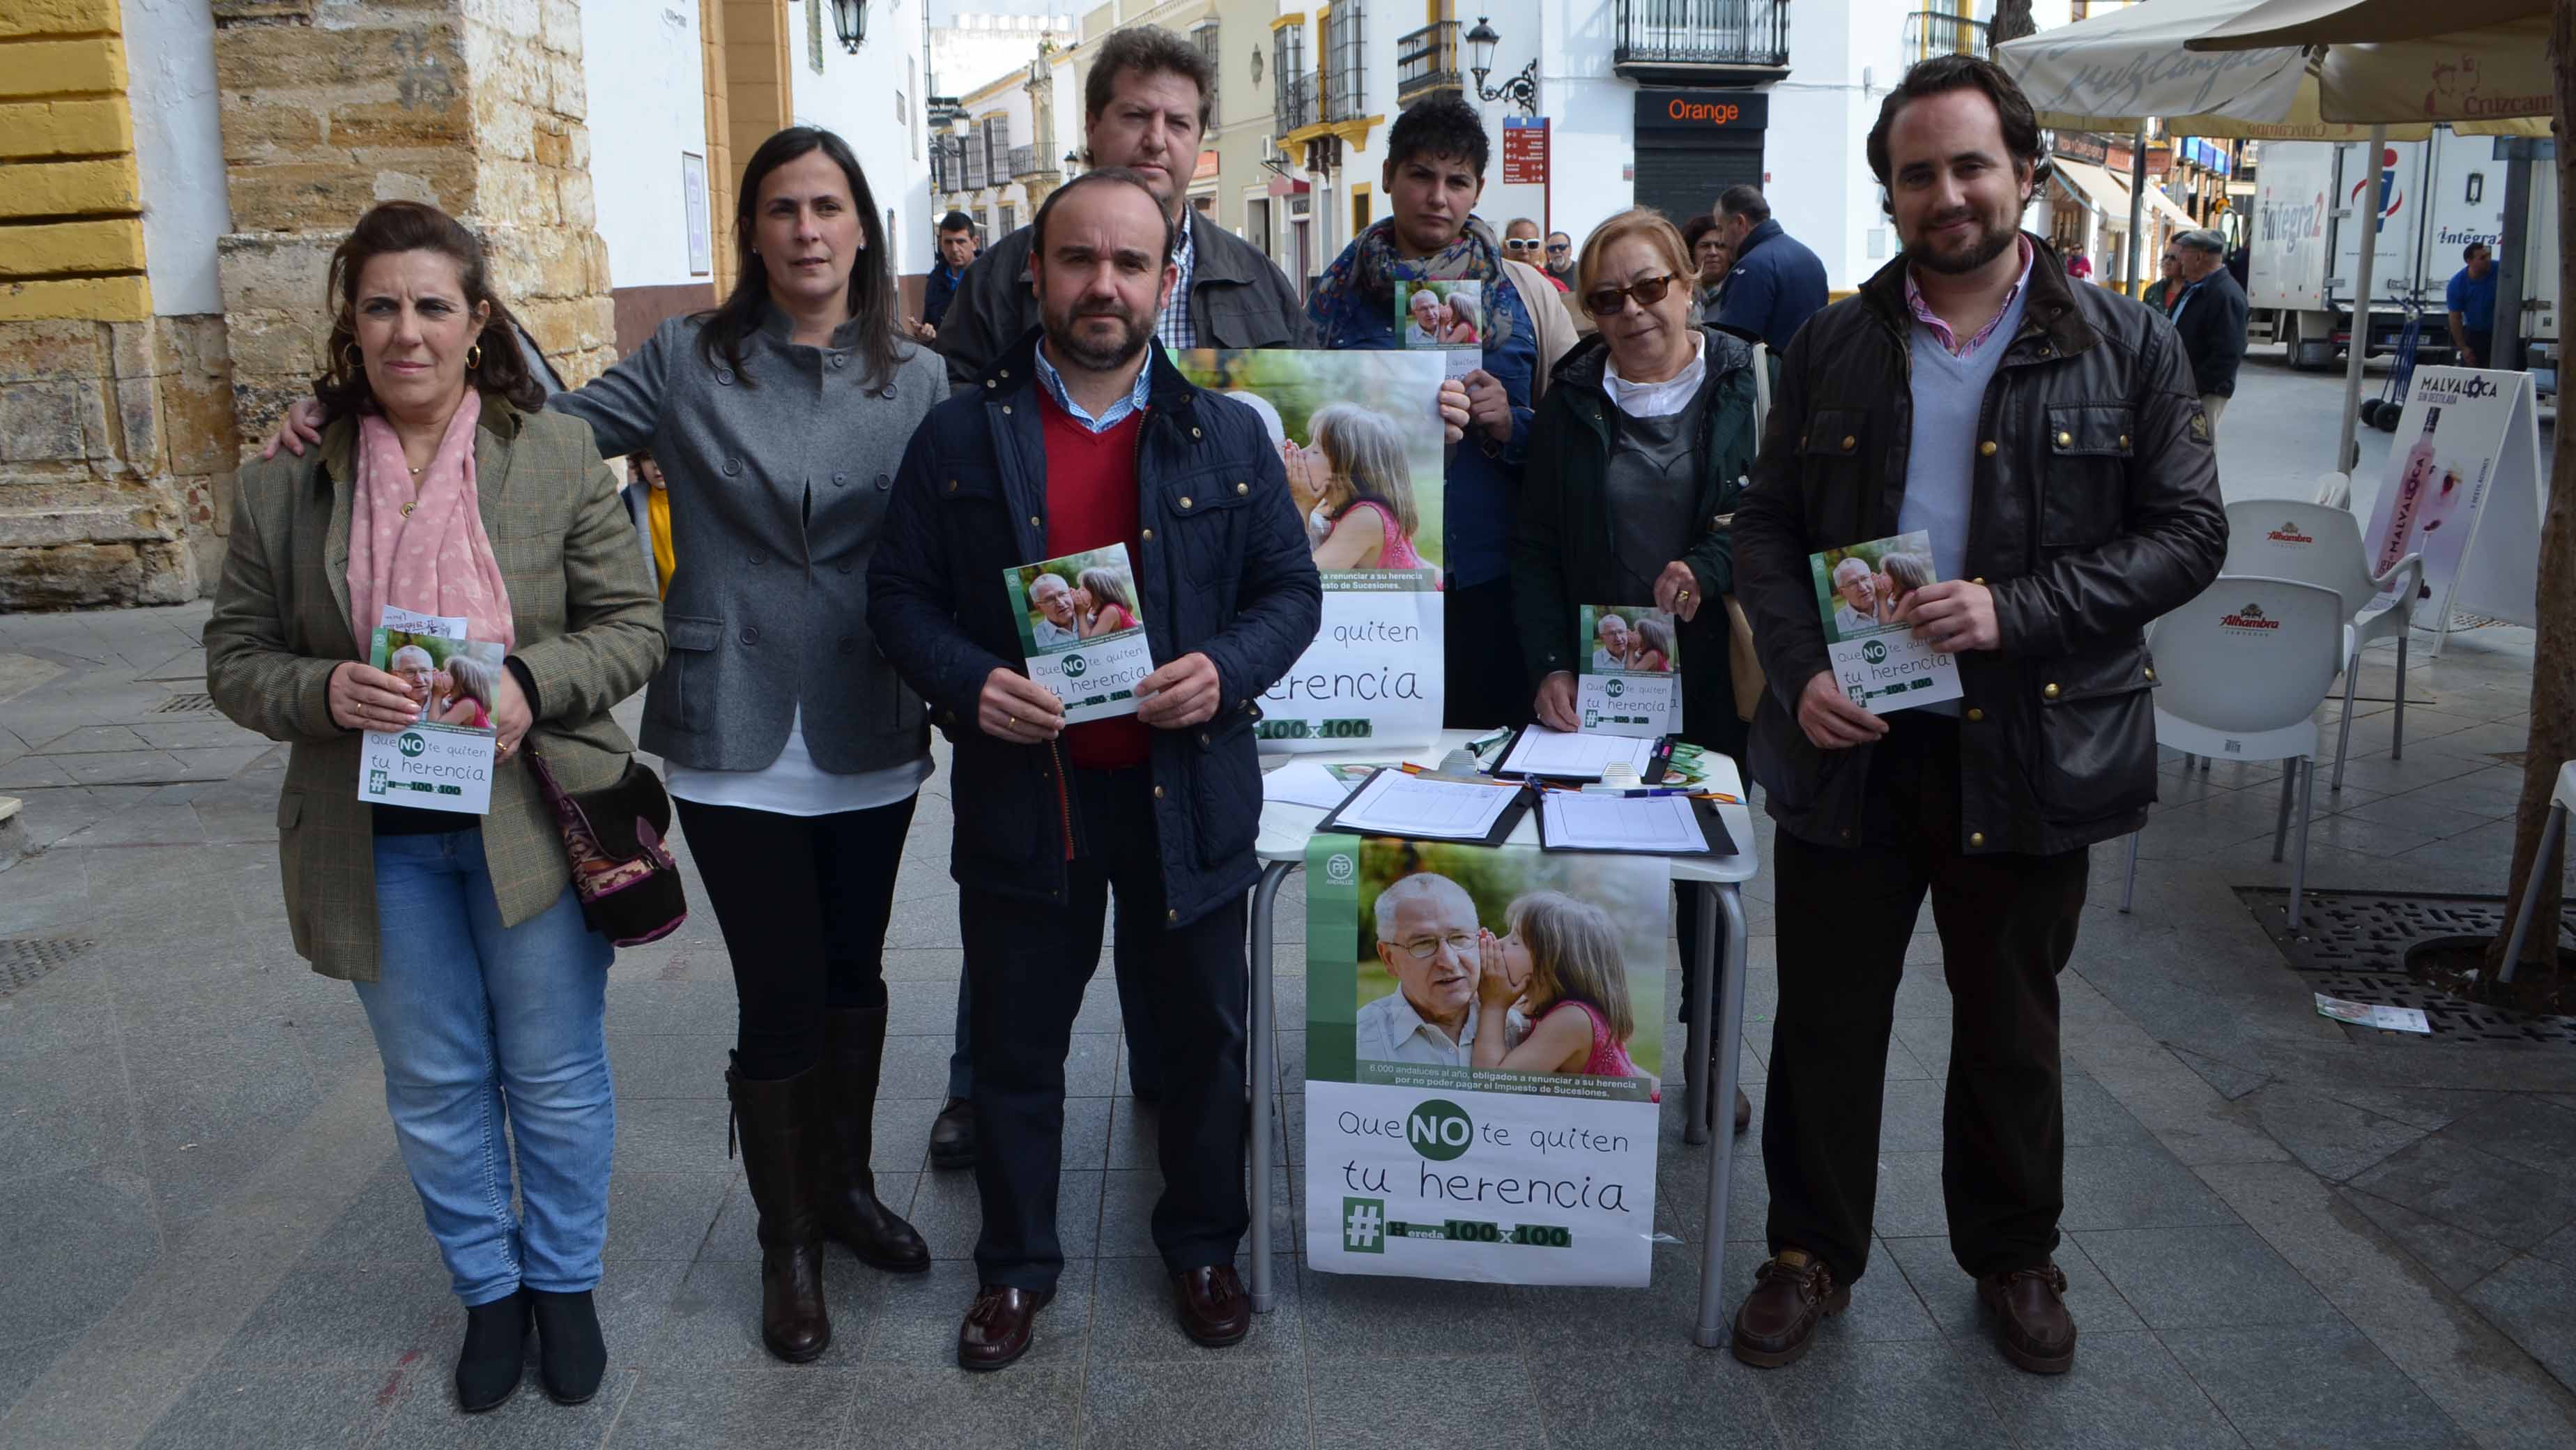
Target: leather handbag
point(622, 867)
point(1743, 666)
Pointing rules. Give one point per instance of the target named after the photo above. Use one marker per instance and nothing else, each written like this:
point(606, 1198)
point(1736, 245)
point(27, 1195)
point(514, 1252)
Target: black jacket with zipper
point(2093, 509)
point(1562, 545)
point(1222, 568)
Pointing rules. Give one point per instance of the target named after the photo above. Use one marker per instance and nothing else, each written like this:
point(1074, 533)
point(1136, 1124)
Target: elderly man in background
point(2208, 311)
point(1776, 283)
point(1426, 935)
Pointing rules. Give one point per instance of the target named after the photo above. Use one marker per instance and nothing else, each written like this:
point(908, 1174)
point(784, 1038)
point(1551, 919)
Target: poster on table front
point(1359, 434)
point(1485, 1049)
point(2467, 443)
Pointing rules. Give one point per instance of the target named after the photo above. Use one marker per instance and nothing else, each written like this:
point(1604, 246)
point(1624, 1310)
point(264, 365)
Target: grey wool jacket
point(778, 480)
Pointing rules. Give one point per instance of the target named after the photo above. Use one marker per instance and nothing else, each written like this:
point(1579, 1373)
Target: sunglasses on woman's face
point(1610, 301)
point(1520, 244)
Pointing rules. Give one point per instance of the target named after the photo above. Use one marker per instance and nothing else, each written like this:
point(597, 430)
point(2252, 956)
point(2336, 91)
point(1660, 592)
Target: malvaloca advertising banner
point(1484, 1056)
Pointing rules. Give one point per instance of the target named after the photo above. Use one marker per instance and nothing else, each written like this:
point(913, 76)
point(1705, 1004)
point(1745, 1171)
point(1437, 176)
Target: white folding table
point(1285, 830)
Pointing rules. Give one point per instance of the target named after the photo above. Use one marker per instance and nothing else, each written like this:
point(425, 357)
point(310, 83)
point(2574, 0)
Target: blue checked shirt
point(1175, 328)
point(1117, 412)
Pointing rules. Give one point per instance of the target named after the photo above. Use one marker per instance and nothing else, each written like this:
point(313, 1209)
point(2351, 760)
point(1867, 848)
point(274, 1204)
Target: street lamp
point(1521, 90)
point(850, 19)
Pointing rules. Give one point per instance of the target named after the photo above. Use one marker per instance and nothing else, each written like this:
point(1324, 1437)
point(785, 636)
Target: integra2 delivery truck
point(2434, 198)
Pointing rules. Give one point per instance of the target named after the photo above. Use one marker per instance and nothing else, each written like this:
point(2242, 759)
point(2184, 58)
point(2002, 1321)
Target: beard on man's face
point(1989, 239)
point(1085, 347)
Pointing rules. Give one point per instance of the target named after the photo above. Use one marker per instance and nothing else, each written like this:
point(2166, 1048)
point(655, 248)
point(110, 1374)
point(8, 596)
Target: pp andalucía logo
point(1341, 868)
point(2250, 617)
point(411, 745)
point(1074, 666)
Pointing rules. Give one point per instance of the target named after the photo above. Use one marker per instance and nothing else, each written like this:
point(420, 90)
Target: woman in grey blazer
point(793, 751)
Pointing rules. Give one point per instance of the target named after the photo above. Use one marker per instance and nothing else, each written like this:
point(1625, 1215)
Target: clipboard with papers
point(1539, 753)
point(1643, 824)
point(1395, 802)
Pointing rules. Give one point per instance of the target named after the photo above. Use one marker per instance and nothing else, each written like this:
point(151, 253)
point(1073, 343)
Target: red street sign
point(1525, 150)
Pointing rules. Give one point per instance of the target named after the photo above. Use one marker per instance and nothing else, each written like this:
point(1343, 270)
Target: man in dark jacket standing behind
point(1968, 380)
point(1145, 107)
point(1083, 437)
point(1775, 283)
point(2208, 313)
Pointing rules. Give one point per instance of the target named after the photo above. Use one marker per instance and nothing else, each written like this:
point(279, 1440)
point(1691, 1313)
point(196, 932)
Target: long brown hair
point(411, 226)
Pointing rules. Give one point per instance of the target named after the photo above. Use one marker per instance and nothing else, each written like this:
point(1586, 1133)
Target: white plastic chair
point(2545, 864)
point(2240, 672)
point(2320, 544)
point(2334, 489)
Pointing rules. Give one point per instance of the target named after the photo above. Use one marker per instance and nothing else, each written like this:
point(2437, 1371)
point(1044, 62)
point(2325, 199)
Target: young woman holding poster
point(1639, 452)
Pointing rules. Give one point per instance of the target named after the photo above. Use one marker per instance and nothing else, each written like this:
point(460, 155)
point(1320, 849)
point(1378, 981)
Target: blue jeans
point(482, 1025)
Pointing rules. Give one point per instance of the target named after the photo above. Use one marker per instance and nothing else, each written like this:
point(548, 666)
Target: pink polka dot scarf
point(423, 551)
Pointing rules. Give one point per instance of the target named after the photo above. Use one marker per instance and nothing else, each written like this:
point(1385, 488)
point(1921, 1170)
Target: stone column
point(474, 106)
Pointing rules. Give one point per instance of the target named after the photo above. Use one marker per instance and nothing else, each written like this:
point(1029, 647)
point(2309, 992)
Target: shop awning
point(2109, 195)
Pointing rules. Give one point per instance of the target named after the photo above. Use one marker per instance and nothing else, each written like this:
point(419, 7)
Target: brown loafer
point(996, 1331)
point(1214, 1309)
point(952, 1135)
point(2031, 1322)
point(1792, 1294)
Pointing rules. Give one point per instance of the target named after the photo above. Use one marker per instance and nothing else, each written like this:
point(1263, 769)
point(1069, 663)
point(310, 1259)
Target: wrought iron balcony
point(1933, 32)
point(1697, 42)
point(1345, 75)
point(1025, 161)
point(1426, 63)
point(1297, 102)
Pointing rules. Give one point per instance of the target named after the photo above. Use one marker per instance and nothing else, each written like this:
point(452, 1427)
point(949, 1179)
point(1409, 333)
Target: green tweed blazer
point(589, 632)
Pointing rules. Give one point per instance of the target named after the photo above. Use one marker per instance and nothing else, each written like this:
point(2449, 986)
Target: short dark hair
point(500, 370)
point(1102, 176)
point(957, 221)
point(2470, 252)
point(1148, 50)
point(1440, 126)
point(1746, 202)
point(1945, 73)
point(1696, 228)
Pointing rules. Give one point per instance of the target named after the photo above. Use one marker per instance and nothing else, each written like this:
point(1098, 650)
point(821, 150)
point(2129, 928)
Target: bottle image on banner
point(2411, 484)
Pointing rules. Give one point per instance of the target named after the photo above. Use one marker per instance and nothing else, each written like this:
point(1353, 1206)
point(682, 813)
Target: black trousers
point(2007, 925)
point(1028, 963)
point(1130, 935)
point(1482, 677)
point(802, 902)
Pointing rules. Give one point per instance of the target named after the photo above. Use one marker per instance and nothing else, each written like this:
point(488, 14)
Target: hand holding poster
point(1485, 1038)
point(1630, 682)
point(1080, 631)
point(1360, 438)
point(1880, 664)
point(444, 762)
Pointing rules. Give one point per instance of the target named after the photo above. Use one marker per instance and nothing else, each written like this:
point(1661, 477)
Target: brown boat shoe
point(1792, 1294)
point(2031, 1322)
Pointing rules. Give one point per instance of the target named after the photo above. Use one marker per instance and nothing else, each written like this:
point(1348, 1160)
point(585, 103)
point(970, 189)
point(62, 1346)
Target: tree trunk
point(2553, 657)
point(2012, 21)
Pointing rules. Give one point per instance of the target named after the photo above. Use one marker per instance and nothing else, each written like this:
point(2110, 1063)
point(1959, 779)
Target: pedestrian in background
point(956, 254)
point(1521, 244)
point(450, 495)
point(2168, 280)
point(2470, 299)
point(2209, 310)
point(1775, 283)
point(1710, 258)
point(2062, 420)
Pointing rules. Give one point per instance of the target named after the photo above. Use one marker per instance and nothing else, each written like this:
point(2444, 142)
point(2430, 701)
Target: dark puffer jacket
point(2094, 509)
point(1224, 568)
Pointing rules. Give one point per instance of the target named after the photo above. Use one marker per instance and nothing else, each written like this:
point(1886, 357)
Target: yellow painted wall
point(71, 227)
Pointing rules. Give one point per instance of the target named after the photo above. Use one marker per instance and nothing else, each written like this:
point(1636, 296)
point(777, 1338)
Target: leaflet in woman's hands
point(1082, 630)
point(1876, 658)
point(442, 762)
point(1630, 682)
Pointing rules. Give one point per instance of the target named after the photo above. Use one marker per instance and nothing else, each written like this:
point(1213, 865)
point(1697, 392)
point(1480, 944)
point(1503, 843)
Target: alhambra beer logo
point(2288, 533)
point(2250, 617)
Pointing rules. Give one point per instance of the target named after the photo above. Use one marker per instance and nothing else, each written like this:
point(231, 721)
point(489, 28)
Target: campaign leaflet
point(1486, 1046)
point(1878, 661)
point(1448, 316)
point(1630, 680)
point(1081, 630)
point(443, 761)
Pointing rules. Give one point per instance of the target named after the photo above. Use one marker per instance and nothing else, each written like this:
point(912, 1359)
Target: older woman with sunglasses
point(1639, 450)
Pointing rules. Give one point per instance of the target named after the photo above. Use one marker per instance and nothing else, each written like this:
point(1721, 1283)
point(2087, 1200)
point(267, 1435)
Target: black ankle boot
point(495, 1353)
point(571, 1356)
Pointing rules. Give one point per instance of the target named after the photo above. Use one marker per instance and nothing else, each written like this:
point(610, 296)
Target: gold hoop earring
point(474, 357)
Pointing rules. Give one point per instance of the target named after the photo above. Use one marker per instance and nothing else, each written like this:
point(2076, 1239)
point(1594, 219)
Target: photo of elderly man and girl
point(1630, 640)
point(454, 681)
point(1440, 314)
point(1065, 602)
point(1367, 475)
point(1510, 959)
point(1859, 587)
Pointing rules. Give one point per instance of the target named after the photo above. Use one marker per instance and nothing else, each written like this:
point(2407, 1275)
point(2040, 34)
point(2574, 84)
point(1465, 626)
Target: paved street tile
point(426, 1413)
point(2311, 1386)
point(2334, 1139)
point(75, 1243)
point(2110, 1187)
point(1025, 1407)
point(2489, 1385)
point(2444, 1178)
point(2456, 1256)
point(1859, 1394)
point(2215, 1276)
point(276, 1409)
point(662, 1215)
point(1362, 1317)
point(2124, 1393)
point(1424, 1403)
point(2534, 1301)
point(358, 1317)
point(2528, 1129)
point(687, 1409)
point(1145, 1406)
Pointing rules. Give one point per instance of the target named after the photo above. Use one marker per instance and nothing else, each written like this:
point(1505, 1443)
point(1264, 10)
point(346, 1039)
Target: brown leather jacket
point(2095, 509)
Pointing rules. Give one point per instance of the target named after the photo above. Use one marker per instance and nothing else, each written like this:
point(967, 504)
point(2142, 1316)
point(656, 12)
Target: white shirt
point(793, 785)
point(1048, 633)
point(1660, 400)
point(1389, 1030)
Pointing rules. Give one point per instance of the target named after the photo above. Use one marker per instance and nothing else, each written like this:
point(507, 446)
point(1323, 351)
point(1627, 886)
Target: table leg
point(1263, 1028)
point(1711, 1331)
point(1698, 1093)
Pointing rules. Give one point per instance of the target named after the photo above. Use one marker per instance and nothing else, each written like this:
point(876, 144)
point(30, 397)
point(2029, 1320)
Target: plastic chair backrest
point(2250, 654)
point(2334, 490)
point(2283, 539)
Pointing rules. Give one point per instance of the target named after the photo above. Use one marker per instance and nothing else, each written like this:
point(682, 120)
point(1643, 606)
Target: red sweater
point(1091, 504)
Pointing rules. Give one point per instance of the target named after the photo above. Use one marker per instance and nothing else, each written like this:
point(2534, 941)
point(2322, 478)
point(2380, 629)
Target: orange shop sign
point(1702, 110)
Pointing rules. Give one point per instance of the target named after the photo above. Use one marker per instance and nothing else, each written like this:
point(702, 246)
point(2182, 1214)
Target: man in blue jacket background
point(1776, 283)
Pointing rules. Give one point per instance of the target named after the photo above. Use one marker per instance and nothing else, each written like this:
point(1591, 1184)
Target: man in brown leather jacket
point(2051, 441)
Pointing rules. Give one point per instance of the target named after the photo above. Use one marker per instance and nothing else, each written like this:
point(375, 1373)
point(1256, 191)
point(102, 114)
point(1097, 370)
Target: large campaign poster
point(1485, 1047)
point(2465, 445)
point(1360, 436)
